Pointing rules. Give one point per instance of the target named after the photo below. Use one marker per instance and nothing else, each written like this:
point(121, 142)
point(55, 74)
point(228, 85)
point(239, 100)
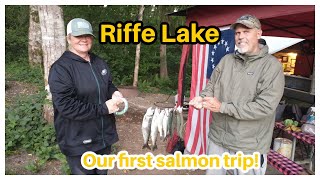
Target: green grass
point(21, 71)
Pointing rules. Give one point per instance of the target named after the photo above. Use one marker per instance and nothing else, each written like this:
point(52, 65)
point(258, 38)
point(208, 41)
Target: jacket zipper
point(95, 77)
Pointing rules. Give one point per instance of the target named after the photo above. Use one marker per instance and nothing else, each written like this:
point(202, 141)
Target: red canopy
point(283, 21)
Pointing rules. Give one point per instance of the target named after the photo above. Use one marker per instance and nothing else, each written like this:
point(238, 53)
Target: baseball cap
point(247, 20)
point(78, 27)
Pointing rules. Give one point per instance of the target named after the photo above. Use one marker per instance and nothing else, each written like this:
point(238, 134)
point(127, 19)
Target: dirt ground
point(130, 135)
point(15, 89)
point(129, 130)
point(128, 127)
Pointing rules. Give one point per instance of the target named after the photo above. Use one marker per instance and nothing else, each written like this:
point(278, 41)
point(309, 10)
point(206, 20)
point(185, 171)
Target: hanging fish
point(174, 121)
point(170, 119)
point(182, 122)
point(160, 123)
point(165, 123)
point(154, 129)
point(146, 126)
point(178, 125)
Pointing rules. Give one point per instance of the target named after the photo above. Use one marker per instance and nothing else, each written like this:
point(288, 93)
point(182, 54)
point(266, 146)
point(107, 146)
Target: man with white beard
point(243, 93)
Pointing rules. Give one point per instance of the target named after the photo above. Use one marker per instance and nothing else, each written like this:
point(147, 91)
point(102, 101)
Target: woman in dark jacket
point(84, 99)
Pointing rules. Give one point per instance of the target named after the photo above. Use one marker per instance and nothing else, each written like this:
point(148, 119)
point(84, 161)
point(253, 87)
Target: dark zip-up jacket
point(79, 91)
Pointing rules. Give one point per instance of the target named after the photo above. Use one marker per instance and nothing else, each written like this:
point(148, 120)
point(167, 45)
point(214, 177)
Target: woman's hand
point(117, 97)
point(117, 94)
point(112, 105)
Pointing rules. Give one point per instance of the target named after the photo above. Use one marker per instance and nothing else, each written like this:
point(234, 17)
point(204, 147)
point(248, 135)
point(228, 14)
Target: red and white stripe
point(197, 127)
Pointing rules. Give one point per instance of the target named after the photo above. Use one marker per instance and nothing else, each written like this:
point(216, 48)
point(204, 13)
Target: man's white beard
point(242, 50)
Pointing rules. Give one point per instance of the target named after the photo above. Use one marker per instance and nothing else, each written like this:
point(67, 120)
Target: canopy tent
point(279, 20)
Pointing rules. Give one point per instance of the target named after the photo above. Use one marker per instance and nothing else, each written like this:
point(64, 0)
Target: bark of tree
point(53, 45)
point(163, 47)
point(163, 62)
point(34, 46)
point(137, 59)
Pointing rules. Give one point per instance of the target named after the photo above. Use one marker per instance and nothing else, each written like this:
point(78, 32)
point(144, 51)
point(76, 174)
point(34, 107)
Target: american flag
point(205, 57)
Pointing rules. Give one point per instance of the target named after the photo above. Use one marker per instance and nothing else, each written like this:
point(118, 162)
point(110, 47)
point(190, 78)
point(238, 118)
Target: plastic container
point(125, 109)
point(283, 146)
point(308, 128)
point(311, 117)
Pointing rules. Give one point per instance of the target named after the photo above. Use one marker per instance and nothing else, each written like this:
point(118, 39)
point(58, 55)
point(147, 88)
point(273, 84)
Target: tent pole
point(184, 58)
point(312, 89)
point(183, 81)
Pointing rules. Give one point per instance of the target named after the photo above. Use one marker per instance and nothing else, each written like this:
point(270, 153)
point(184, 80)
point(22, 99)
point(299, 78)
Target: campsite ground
point(128, 127)
point(129, 130)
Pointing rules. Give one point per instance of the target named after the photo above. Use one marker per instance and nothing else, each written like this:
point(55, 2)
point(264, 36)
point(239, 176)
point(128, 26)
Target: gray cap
point(78, 27)
point(247, 20)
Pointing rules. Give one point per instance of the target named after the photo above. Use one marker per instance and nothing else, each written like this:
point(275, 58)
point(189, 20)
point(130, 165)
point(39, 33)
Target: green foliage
point(164, 84)
point(26, 129)
point(16, 47)
point(120, 58)
point(21, 71)
point(157, 85)
point(33, 167)
point(16, 29)
point(146, 86)
point(64, 167)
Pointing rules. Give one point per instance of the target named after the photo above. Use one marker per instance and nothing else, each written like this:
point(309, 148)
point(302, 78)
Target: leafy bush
point(26, 129)
point(16, 29)
point(145, 86)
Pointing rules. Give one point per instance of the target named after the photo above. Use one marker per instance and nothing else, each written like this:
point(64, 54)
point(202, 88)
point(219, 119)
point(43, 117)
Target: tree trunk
point(34, 47)
point(53, 45)
point(163, 47)
point(163, 62)
point(137, 60)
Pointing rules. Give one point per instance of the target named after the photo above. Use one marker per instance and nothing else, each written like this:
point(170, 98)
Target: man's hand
point(196, 102)
point(212, 104)
point(112, 105)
